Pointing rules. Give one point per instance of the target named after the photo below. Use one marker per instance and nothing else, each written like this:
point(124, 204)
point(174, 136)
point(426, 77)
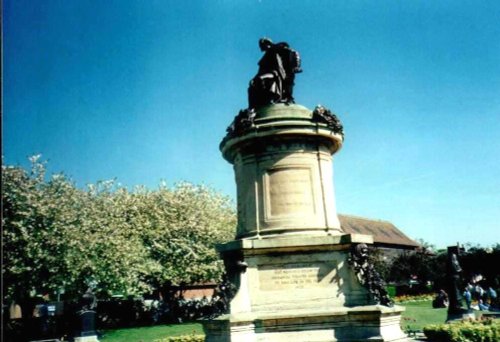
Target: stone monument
point(295, 275)
point(86, 318)
point(455, 286)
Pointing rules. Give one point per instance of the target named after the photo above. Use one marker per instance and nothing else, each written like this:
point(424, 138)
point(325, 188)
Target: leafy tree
point(180, 228)
point(379, 260)
point(427, 246)
point(432, 267)
point(484, 262)
point(417, 264)
point(56, 235)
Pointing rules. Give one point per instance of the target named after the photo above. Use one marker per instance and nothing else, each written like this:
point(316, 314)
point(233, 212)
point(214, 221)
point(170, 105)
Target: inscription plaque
point(295, 276)
point(290, 192)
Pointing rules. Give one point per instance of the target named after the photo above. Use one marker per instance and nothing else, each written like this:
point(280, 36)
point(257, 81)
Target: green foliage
point(466, 331)
point(424, 266)
point(432, 267)
point(482, 261)
point(391, 290)
point(180, 228)
point(378, 259)
point(56, 235)
point(426, 245)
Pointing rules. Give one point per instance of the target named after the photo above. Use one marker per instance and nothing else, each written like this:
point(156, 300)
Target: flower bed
point(413, 298)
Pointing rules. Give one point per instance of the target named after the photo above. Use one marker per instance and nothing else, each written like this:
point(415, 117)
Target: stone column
point(284, 174)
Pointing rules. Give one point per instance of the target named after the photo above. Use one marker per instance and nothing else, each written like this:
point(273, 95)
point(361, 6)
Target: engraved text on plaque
point(295, 276)
point(290, 192)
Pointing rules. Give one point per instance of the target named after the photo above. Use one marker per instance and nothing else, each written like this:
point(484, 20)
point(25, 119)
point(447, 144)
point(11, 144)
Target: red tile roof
point(383, 232)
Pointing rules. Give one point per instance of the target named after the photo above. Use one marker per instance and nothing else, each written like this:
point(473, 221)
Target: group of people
point(486, 299)
point(474, 296)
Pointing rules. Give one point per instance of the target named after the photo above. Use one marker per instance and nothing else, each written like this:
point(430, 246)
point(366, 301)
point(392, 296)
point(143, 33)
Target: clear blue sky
point(144, 90)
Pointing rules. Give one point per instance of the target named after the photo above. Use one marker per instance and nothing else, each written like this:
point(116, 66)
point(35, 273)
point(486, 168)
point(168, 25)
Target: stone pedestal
point(87, 332)
point(284, 174)
point(92, 338)
point(289, 262)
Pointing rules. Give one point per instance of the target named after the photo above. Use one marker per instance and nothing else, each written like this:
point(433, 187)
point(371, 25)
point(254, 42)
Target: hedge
point(465, 331)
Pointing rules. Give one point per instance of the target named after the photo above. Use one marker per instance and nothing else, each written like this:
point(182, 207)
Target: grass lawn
point(149, 334)
point(416, 316)
point(420, 314)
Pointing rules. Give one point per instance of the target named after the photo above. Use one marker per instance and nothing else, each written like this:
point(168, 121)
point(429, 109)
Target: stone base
point(92, 338)
point(362, 323)
point(300, 288)
point(294, 273)
point(460, 316)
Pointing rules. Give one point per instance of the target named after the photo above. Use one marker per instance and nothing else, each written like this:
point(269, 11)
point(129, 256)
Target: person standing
point(468, 298)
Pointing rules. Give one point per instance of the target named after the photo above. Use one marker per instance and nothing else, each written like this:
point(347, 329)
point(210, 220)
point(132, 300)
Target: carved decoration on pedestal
point(227, 288)
point(241, 123)
point(368, 276)
point(223, 294)
point(324, 115)
point(245, 120)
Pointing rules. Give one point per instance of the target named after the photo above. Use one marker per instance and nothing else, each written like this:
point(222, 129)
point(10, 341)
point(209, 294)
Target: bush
point(465, 331)
point(391, 290)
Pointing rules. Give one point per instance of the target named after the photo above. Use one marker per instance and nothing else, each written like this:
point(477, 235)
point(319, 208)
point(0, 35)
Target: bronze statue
point(274, 84)
point(275, 79)
point(454, 275)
